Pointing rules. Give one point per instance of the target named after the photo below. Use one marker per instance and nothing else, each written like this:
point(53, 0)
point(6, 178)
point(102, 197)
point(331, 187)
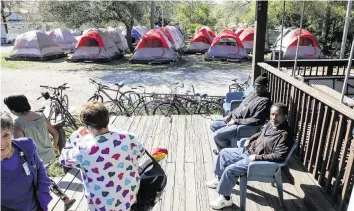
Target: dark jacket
point(254, 110)
point(272, 147)
point(41, 181)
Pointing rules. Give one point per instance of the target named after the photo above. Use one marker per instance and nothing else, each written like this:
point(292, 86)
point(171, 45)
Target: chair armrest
point(233, 96)
point(235, 104)
point(263, 170)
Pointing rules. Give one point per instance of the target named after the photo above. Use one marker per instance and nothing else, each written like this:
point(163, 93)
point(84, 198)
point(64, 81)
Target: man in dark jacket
point(253, 111)
point(272, 143)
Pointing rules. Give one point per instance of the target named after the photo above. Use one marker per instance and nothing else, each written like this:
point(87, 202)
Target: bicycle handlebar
point(62, 87)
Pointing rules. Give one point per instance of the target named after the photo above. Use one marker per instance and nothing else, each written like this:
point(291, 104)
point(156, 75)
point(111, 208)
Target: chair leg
point(279, 182)
point(243, 192)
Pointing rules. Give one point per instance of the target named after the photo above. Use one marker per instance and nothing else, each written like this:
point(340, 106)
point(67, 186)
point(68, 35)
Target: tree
point(194, 13)
point(7, 7)
point(97, 13)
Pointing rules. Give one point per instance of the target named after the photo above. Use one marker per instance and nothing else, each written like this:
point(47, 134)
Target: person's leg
point(216, 125)
point(225, 158)
point(228, 181)
point(223, 136)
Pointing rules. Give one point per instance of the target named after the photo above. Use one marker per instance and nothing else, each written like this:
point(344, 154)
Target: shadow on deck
point(189, 165)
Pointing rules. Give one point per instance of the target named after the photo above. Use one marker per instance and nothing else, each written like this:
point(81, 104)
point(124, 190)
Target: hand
point(247, 143)
point(227, 119)
point(231, 122)
point(252, 157)
point(56, 149)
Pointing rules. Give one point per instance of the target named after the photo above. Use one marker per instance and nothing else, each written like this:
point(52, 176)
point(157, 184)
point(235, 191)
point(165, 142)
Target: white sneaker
point(220, 203)
point(212, 184)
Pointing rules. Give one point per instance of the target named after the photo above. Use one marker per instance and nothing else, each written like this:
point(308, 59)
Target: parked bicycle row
point(136, 101)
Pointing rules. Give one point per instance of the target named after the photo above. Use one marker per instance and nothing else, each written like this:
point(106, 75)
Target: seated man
point(272, 143)
point(253, 111)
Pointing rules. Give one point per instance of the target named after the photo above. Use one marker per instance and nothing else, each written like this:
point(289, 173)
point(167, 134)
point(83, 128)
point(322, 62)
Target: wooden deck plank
point(63, 185)
point(190, 164)
point(179, 191)
point(191, 200)
point(200, 178)
point(307, 188)
point(71, 190)
point(167, 197)
point(118, 121)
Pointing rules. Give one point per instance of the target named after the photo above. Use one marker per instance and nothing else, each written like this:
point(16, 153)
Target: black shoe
point(68, 205)
point(215, 152)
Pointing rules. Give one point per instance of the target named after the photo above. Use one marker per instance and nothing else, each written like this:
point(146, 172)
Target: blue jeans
point(231, 163)
point(223, 133)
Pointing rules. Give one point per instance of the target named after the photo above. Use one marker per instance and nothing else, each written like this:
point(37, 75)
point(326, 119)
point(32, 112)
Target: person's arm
point(71, 153)
point(280, 151)
point(259, 117)
point(18, 131)
point(44, 182)
point(54, 134)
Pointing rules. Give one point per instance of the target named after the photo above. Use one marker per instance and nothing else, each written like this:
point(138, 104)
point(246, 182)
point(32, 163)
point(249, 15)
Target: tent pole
point(346, 26)
point(281, 36)
point(348, 72)
point(298, 40)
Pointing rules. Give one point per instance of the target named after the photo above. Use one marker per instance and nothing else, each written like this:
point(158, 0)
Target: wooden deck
point(189, 165)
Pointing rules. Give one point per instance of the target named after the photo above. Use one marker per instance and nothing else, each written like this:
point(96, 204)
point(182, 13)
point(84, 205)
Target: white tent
point(35, 45)
point(115, 35)
point(64, 39)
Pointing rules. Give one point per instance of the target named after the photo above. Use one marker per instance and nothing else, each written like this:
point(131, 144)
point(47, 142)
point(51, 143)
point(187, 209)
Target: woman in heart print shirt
point(108, 160)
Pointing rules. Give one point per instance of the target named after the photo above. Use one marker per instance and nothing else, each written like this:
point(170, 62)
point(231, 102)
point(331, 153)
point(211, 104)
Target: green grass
point(55, 169)
point(14, 64)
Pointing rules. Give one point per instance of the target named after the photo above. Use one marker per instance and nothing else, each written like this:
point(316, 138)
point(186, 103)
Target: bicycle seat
point(120, 84)
point(235, 80)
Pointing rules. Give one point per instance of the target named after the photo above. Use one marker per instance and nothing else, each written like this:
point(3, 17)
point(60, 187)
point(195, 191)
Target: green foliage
point(55, 169)
point(193, 14)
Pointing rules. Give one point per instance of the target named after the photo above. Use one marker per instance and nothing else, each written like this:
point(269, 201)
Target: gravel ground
point(212, 78)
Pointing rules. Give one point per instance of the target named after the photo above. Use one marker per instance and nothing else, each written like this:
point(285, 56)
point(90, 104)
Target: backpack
point(152, 182)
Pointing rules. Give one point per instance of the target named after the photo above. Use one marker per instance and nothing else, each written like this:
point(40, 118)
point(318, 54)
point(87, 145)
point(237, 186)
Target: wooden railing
point(314, 67)
point(323, 128)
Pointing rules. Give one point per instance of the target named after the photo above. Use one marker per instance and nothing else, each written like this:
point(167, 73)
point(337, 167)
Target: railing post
point(259, 37)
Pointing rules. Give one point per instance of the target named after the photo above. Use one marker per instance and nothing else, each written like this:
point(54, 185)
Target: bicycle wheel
point(54, 112)
point(146, 108)
point(128, 100)
point(65, 102)
point(210, 107)
point(70, 121)
point(114, 108)
point(166, 109)
point(97, 98)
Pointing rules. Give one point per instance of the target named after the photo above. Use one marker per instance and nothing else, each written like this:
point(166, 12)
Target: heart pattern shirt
point(109, 167)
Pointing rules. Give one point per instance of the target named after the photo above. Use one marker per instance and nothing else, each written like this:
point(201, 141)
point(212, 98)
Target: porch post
point(260, 26)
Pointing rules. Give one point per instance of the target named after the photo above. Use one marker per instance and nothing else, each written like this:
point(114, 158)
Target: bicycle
point(126, 98)
point(198, 105)
point(60, 111)
point(237, 87)
point(63, 99)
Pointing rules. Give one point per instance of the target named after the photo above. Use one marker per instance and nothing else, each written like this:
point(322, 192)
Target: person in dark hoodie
point(253, 111)
point(272, 143)
point(24, 181)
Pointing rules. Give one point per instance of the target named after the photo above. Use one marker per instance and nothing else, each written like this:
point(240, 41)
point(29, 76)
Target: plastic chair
point(263, 171)
point(234, 99)
point(242, 132)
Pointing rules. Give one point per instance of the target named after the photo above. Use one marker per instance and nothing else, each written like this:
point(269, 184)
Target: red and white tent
point(227, 45)
point(308, 47)
point(95, 46)
point(239, 30)
point(154, 47)
point(201, 40)
point(247, 37)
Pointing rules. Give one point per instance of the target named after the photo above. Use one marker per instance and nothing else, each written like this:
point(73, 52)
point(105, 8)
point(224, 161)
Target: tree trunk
point(326, 23)
point(129, 35)
point(152, 15)
point(3, 16)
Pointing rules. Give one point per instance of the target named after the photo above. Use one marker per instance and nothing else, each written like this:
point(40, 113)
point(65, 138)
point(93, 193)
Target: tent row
point(94, 45)
point(160, 45)
point(236, 45)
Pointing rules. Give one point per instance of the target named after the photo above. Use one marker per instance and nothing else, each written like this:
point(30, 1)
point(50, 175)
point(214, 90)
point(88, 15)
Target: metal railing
point(324, 130)
point(314, 67)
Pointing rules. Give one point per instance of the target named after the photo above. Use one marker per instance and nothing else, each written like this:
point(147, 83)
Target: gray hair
point(6, 121)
